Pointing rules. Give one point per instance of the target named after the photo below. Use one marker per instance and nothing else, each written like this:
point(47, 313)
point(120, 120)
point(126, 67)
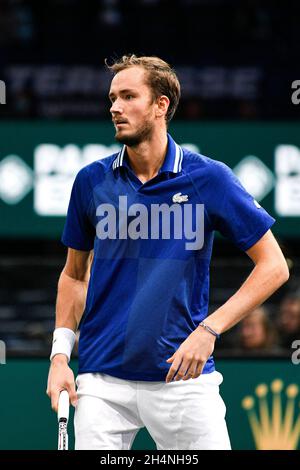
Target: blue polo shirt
point(149, 284)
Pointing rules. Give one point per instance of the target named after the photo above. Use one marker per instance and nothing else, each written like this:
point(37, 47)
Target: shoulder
point(201, 166)
point(94, 173)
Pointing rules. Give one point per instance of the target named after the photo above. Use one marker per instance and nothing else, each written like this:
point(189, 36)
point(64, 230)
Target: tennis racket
point(62, 417)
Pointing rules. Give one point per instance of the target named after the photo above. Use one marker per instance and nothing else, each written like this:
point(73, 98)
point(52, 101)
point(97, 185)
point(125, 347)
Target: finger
point(170, 358)
point(173, 369)
point(54, 395)
point(183, 369)
point(190, 373)
point(72, 393)
point(48, 386)
point(199, 370)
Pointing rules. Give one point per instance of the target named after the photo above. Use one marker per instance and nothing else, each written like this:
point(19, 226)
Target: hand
point(60, 378)
point(191, 356)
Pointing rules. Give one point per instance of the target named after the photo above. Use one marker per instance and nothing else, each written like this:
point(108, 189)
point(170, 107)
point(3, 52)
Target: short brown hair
point(161, 78)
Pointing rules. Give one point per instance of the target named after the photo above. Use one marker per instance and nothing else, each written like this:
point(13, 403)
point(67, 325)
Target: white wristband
point(63, 342)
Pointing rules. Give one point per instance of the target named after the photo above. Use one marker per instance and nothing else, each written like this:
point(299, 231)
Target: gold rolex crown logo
point(273, 427)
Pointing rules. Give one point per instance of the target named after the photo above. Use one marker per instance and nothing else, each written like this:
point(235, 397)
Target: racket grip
point(63, 406)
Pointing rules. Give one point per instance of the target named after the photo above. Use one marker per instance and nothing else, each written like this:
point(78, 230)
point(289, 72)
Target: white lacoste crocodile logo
point(179, 197)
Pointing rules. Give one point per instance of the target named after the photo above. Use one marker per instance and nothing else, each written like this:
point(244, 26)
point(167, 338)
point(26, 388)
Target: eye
point(129, 97)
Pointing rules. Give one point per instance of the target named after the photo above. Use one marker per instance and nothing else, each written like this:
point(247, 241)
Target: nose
point(116, 107)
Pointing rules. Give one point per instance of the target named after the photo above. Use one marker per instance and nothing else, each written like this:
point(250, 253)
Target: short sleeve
point(237, 215)
point(79, 232)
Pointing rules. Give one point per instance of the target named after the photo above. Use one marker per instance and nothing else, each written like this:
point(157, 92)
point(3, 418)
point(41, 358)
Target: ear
point(163, 103)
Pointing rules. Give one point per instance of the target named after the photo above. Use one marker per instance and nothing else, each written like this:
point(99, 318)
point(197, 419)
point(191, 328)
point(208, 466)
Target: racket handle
point(63, 406)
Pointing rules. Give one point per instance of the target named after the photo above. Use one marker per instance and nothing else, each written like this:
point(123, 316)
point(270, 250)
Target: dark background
point(235, 59)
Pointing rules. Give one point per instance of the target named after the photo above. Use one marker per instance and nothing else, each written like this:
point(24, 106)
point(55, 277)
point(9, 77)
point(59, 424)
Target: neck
point(147, 158)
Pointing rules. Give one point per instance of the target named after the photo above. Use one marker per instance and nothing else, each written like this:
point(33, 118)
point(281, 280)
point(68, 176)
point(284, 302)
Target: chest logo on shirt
point(179, 197)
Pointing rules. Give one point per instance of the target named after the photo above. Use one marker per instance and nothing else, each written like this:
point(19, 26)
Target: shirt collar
point(172, 161)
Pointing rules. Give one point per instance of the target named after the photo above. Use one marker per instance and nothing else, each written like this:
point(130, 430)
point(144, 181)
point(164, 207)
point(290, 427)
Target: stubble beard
point(141, 135)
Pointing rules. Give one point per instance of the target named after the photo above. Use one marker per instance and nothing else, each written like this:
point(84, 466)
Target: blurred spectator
point(289, 319)
point(256, 333)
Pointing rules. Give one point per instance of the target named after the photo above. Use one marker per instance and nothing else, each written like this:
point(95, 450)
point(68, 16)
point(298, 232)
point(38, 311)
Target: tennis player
point(139, 232)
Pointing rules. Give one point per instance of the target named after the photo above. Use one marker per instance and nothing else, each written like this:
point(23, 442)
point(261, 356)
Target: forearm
point(70, 303)
point(262, 282)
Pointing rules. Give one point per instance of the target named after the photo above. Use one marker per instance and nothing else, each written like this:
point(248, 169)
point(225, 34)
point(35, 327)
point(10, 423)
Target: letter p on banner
point(2, 353)
point(2, 92)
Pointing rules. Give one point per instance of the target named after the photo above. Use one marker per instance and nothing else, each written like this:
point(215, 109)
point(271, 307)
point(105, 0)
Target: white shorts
point(180, 415)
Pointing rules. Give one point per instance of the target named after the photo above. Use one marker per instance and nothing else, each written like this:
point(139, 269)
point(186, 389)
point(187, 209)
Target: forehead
point(131, 78)
point(291, 303)
point(253, 318)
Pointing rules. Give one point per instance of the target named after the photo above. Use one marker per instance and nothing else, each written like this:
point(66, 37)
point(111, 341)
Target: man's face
point(253, 333)
point(133, 108)
point(290, 315)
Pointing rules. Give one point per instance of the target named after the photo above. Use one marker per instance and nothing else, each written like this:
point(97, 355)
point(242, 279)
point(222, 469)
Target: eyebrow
point(126, 90)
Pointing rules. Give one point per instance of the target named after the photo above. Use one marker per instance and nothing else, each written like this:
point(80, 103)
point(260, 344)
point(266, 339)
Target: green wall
point(27, 421)
point(40, 154)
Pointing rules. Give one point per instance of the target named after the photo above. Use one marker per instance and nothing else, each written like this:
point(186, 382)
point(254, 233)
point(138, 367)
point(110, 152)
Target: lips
point(120, 122)
point(120, 125)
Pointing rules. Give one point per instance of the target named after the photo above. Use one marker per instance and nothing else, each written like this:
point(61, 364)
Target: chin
point(135, 138)
point(131, 140)
point(120, 132)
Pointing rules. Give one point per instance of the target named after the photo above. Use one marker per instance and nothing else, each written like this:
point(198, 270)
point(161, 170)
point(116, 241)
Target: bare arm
point(269, 273)
point(72, 289)
point(70, 304)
